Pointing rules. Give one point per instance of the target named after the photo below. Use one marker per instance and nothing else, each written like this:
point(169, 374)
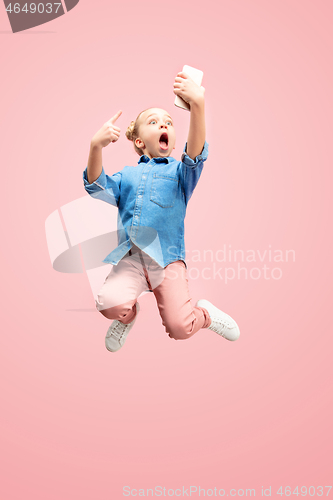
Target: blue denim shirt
point(151, 199)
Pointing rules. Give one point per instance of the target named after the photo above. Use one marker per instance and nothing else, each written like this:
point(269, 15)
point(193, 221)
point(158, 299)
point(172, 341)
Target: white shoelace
point(118, 330)
point(219, 325)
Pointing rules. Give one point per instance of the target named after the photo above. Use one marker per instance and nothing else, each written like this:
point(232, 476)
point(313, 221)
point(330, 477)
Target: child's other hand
point(108, 133)
point(188, 90)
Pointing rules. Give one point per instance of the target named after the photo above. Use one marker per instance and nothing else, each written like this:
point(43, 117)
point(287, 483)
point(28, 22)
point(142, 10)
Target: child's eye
point(169, 123)
point(152, 121)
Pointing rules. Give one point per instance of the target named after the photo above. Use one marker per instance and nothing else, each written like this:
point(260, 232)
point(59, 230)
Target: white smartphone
point(196, 75)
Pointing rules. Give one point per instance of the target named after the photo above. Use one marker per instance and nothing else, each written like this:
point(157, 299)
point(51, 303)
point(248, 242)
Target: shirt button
point(143, 177)
point(140, 196)
point(136, 217)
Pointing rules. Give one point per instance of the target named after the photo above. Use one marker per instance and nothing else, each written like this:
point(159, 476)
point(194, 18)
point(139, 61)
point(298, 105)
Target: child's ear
point(139, 143)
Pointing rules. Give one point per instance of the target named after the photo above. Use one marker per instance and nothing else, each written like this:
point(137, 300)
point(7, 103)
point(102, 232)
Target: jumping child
point(152, 198)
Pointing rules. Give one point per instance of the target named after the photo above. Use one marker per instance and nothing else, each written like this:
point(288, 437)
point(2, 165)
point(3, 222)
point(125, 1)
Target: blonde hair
point(132, 132)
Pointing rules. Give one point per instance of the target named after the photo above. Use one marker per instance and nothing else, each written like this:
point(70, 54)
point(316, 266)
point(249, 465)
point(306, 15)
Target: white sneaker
point(117, 333)
point(221, 323)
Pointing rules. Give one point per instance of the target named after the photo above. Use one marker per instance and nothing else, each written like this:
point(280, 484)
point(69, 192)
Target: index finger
point(115, 117)
point(183, 75)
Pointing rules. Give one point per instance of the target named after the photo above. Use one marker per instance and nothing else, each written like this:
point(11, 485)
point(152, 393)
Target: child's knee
point(111, 310)
point(179, 331)
point(106, 299)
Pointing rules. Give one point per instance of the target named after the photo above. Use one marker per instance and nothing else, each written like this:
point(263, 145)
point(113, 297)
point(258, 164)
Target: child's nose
point(163, 126)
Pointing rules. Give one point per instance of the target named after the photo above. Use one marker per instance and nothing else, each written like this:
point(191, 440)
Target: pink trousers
point(136, 273)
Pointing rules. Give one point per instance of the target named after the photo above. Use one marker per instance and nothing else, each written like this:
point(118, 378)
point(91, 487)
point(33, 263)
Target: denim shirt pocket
point(164, 190)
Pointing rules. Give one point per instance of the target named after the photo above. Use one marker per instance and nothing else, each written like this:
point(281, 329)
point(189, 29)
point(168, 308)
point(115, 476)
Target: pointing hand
point(108, 133)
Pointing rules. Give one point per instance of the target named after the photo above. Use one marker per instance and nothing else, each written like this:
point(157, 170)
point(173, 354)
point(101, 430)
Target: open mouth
point(164, 141)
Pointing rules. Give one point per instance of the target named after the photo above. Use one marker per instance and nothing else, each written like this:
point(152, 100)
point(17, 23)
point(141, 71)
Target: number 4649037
point(32, 8)
point(304, 491)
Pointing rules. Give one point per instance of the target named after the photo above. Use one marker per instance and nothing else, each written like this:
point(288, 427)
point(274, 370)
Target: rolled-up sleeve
point(191, 170)
point(105, 187)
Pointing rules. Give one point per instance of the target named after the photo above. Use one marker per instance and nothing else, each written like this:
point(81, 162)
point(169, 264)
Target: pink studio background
point(78, 422)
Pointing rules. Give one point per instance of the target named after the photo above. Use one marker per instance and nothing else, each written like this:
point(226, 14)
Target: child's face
point(157, 136)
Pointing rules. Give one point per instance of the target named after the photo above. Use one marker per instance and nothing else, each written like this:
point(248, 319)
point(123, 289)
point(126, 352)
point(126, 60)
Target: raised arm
point(188, 90)
point(108, 133)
